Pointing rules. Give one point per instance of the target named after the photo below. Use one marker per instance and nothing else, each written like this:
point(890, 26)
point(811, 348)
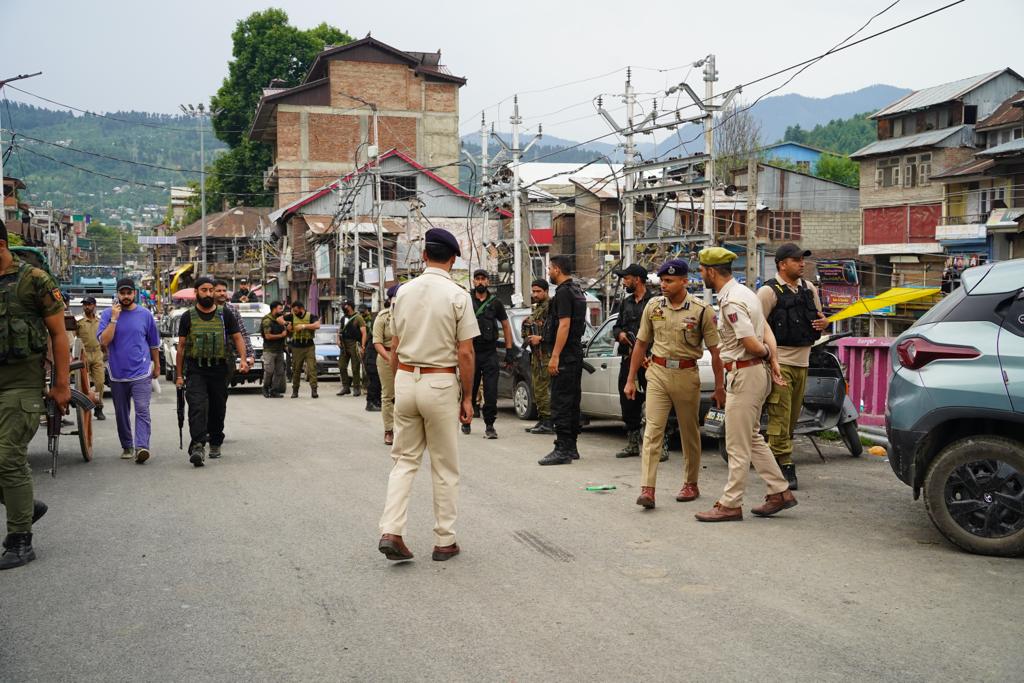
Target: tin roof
point(937, 94)
point(241, 221)
point(970, 168)
point(927, 139)
point(1011, 147)
point(1006, 113)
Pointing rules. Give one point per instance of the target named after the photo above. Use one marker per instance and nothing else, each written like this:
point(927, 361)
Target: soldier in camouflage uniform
point(533, 328)
point(31, 309)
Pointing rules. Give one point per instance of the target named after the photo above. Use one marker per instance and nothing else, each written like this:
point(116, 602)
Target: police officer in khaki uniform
point(793, 310)
point(383, 330)
point(434, 327)
point(748, 347)
point(87, 330)
point(678, 326)
point(31, 298)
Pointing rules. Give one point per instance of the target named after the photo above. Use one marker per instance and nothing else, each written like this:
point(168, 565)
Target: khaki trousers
point(94, 365)
point(679, 388)
point(426, 417)
point(745, 392)
point(387, 393)
point(784, 404)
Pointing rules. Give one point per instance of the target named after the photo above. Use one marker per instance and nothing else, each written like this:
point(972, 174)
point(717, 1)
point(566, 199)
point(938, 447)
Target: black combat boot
point(197, 453)
point(558, 456)
point(789, 472)
point(315, 395)
point(98, 413)
point(17, 550)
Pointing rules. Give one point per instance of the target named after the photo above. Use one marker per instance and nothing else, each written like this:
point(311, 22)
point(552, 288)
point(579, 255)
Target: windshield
point(326, 335)
point(252, 325)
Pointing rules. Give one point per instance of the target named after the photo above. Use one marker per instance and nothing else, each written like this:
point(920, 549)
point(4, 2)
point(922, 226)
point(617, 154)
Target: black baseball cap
point(89, 300)
point(790, 250)
point(126, 283)
point(480, 272)
point(634, 269)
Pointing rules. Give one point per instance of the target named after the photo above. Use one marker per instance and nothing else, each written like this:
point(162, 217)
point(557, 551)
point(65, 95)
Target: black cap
point(480, 272)
point(202, 280)
point(126, 282)
point(542, 283)
point(442, 236)
point(633, 269)
point(89, 300)
point(347, 303)
point(243, 281)
point(363, 307)
point(790, 250)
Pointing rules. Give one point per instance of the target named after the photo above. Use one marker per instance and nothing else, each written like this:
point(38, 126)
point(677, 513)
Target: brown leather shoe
point(688, 492)
point(389, 437)
point(445, 552)
point(775, 502)
point(720, 513)
point(646, 499)
point(394, 548)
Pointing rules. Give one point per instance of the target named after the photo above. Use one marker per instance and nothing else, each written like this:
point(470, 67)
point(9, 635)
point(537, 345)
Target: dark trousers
point(486, 371)
point(206, 390)
point(565, 401)
point(632, 410)
point(370, 373)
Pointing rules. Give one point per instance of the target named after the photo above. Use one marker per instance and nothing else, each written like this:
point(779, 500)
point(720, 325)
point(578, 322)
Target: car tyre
point(965, 489)
point(522, 400)
point(851, 437)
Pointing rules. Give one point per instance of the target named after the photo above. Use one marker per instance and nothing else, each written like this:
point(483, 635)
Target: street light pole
point(2, 84)
point(199, 113)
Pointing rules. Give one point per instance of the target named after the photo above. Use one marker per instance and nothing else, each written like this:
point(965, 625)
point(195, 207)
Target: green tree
point(108, 243)
point(264, 47)
point(840, 169)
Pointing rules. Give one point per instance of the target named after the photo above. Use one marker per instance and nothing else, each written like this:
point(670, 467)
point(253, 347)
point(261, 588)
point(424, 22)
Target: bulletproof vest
point(22, 330)
point(576, 327)
point(793, 314)
point(302, 336)
point(487, 320)
point(350, 332)
point(534, 324)
point(205, 343)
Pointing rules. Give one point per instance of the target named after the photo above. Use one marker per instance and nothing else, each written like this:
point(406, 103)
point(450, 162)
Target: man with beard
point(533, 334)
point(301, 327)
point(202, 368)
point(244, 295)
point(128, 331)
point(220, 296)
point(351, 342)
point(490, 313)
point(88, 330)
point(749, 355)
point(634, 281)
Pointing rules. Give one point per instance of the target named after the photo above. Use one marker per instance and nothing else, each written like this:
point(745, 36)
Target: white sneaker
point(127, 454)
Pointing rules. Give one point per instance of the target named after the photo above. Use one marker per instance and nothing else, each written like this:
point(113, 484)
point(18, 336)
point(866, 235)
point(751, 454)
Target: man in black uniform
point(244, 295)
point(634, 281)
point(489, 314)
point(563, 335)
point(370, 363)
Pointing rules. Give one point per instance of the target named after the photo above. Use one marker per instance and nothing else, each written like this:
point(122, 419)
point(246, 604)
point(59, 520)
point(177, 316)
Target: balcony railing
point(966, 219)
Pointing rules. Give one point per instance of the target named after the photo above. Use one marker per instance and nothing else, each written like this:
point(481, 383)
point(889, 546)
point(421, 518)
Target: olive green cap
point(716, 256)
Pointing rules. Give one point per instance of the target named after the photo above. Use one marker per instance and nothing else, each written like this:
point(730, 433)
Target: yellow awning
point(176, 280)
point(896, 295)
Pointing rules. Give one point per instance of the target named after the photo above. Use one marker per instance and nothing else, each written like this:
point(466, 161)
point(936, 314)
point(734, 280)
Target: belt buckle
point(672, 364)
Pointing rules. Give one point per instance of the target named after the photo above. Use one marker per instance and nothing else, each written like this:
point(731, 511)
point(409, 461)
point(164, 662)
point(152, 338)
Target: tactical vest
point(22, 331)
point(205, 343)
point(350, 332)
point(272, 345)
point(487, 320)
point(302, 337)
point(793, 314)
point(576, 326)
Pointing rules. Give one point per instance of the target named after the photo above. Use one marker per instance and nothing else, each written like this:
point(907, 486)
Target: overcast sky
point(109, 55)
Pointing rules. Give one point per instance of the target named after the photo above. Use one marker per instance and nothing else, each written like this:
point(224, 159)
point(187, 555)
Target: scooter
point(826, 404)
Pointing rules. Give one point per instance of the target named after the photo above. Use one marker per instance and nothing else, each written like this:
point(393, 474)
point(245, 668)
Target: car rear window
point(959, 306)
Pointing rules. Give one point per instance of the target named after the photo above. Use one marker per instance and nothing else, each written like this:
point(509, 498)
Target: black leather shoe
point(530, 429)
point(98, 413)
point(17, 551)
point(789, 472)
point(556, 457)
point(543, 428)
point(356, 392)
point(345, 391)
point(372, 408)
point(467, 429)
point(315, 395)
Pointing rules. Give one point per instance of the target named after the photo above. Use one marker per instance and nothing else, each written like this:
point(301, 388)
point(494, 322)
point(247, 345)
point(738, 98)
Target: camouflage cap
point(716, 256)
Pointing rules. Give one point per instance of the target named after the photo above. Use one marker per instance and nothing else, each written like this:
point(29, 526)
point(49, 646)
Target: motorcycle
point(826, 405)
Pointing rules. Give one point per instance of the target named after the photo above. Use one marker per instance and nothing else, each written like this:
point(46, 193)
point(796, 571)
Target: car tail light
point(915, 353)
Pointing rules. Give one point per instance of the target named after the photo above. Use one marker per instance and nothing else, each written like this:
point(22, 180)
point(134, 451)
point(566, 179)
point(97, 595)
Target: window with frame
point(924, 169)
point(887, 172)
point(910, 171)
point(396, 188)
point(1018, 133)
point(784, 226)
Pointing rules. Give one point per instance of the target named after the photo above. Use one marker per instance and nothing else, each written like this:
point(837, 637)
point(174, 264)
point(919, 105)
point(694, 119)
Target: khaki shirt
point(87, 332)
point(739, 316)
point(430, 316)
point(678, 332)
point(799, 356)
point(383, 330)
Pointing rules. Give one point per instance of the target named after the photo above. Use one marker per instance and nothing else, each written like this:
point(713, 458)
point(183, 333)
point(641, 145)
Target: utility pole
point(263, 263)
point(199, 113)
point(378, 209)
point(752, 221)
point(628, 228)
point(4, 82)
point(710, 76)
point(482, 185)
point(517, 221)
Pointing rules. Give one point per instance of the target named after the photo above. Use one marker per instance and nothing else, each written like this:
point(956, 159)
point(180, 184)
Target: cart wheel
point(84, 418)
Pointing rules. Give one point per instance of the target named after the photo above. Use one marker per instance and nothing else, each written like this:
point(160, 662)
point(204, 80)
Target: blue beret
point(674, 266)
point(442, 236)
point(393, 290)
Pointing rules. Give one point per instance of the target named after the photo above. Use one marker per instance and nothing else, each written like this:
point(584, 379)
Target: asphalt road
point(263, 566)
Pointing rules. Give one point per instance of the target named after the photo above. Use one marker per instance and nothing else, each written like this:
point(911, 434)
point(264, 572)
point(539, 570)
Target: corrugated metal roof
point(972, 167)
point(1006, 113)
point(928, 97)
point(1013, 146)
point(932, 137)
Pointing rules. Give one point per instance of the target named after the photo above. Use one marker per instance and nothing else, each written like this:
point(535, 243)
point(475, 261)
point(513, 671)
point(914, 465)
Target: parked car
point(955, 414)
point(168, 328)
point(600, 382)
point(327, 351)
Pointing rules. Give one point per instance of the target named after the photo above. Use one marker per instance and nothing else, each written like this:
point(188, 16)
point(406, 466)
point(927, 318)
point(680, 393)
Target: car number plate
point(714, 421)
point(333, 371)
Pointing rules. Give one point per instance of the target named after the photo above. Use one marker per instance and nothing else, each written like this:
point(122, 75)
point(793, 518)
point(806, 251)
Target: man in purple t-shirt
point(129, 333)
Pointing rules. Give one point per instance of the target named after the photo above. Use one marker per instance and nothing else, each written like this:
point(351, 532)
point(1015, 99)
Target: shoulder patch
point(732, 317)
point(55, 293)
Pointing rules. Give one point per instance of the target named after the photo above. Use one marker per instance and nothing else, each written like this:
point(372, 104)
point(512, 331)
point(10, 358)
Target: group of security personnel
point(760, 347)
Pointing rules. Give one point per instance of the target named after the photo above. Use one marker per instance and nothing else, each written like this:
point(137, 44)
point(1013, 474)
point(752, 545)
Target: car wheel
point(851, 437)
point(522, 399)
point(974, 494)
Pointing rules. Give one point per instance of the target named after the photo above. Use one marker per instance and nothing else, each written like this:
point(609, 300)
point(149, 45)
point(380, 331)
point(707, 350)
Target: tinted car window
point(974, 308)
point(939, 310)
point(602, 344)
point(1014, 320)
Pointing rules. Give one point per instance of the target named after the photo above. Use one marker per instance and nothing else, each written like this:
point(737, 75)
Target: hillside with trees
point(842, 136)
